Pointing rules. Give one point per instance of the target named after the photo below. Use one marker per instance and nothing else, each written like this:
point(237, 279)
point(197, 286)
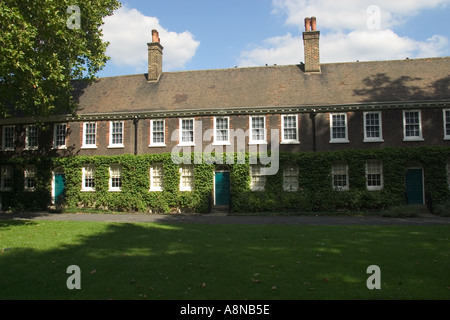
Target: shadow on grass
point(196, 261)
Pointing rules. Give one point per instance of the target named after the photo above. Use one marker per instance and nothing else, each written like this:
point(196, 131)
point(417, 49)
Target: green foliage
point(315, 192)
point(40, 55)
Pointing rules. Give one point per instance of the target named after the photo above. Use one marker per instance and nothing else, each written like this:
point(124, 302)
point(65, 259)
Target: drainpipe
point(312, 116)
point(136, 122)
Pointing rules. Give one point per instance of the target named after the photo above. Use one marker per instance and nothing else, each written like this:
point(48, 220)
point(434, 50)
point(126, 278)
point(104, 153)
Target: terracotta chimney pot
point(307, 24)
point(313, 23)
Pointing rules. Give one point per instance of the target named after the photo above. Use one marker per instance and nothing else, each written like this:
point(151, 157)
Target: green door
point(414, 186)
point(222, 187)
point(59, 187)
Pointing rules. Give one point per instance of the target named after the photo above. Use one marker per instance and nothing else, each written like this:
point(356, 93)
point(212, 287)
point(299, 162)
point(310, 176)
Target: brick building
point(306, 108)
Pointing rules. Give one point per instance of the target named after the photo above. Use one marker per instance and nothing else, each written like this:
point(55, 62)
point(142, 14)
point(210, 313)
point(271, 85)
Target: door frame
point(423, 181)
point(219, 169)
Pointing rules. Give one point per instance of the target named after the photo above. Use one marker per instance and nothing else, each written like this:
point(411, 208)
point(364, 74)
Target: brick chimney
point(311, 44)
point(155, 53)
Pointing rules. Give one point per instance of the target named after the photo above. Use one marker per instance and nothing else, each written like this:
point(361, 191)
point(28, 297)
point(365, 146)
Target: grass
point(221, 262)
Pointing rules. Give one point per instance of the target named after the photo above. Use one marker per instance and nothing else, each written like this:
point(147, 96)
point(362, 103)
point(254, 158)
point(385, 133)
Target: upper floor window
point(221, 130)
point(257, 129)
point(116, 134)
point(88, 178)
point(30, 178)
point(289, 125)
point(187, 177)
point(290, 177)
point(446, 116)
point(6, 178)
point(339, 175)
point(187, 132)
point(258, 178)
point(89, 135)
point(157, 133)
point(8, 138)
point(373, 127)
point(60, 135)
point(156, 177)
point(412, 125)
point(115, 177)
point(374, 175)
point(338, 128)
point(31, 137)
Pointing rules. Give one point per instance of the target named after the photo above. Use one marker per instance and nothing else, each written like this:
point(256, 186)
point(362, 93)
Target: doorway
point(58, 186)
point(415, 186)
point(222, 190)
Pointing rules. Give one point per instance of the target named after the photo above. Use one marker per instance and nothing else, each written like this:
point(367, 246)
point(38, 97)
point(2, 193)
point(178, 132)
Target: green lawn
point(221, 262)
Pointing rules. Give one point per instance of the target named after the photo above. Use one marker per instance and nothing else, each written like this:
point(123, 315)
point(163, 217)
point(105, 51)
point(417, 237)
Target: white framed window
point(290, 177)
point(89, 135)
point(30, 178)
point(8, 138)
point(157, 133)
point(221, 130)
point(6, 178)
point(187, 132)
point(412, 125)
point(116, 131)
point(339, 173)
point(258, 178)
point(60, 136)
point(187, 177)
point(31, 137)
point(258, 134)
point(338, 128)
point(374, 175)
point(156, 177)
point(88, 178)
point(373, 130)
point(289, 127)
point(446, 116)
point(115, 177)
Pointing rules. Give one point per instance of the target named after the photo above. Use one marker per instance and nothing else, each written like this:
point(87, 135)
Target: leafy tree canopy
point(44, 45)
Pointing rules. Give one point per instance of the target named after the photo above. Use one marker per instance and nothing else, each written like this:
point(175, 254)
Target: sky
point(217, 34)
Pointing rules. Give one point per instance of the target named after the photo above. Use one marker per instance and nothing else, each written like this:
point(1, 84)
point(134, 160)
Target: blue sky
point(213, 34)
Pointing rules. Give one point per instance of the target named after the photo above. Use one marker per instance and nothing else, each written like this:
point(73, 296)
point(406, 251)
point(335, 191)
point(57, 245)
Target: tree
point(44, 46)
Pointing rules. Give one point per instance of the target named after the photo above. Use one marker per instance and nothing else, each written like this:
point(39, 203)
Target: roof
point(408, 80)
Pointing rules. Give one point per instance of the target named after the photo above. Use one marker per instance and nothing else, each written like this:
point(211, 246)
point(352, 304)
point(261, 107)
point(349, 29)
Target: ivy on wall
point(315, 182)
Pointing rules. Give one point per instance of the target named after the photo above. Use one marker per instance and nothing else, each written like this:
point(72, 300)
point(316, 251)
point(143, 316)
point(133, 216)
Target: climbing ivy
point(315, 182)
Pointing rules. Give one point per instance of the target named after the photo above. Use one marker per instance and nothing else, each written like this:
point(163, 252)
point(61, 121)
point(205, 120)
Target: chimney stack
point(155, 53)
point(311, 44)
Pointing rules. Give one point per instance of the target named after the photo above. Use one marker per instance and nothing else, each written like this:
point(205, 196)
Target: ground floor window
point(156, 177)
point(115, 178)
point(339, 174)
point(374, 175)
point(290, 177)
point(187, 177)
point(88, 183)
point(30, 178)
point(258, 179)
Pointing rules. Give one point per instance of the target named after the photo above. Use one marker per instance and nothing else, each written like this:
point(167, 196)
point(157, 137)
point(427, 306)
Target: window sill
point(256, 142)
point(157, 145)
point(413, 139)
point(373, 140)
point(87, 190)
point(186, 144)
point(119, 146)
point(339, 141)
point(60, 148)
point(88, 147)
point(221, 144)
point(114, 190)
point(290, 142)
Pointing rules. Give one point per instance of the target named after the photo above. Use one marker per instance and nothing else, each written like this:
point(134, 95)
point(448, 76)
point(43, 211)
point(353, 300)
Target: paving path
point(230, 219)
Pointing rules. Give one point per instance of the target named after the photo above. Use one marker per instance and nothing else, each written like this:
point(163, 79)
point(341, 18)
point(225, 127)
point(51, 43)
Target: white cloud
point(129, 31)
point(350, 30)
